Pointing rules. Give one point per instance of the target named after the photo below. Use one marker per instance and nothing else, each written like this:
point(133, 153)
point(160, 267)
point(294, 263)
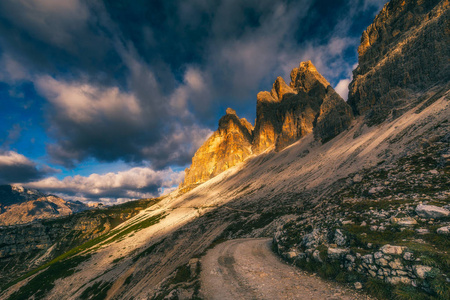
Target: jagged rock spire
point(283, 115)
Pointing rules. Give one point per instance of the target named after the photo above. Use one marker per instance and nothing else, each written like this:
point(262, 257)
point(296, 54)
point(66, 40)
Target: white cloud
point(10, 158)
point(85, 103)
point(138, 182)
point(342, 88)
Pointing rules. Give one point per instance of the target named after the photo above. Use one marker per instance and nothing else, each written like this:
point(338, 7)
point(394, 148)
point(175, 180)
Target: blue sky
point(109, 100)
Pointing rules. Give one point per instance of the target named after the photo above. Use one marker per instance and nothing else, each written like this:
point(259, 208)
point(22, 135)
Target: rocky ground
point(249, 269)
point(387, 232)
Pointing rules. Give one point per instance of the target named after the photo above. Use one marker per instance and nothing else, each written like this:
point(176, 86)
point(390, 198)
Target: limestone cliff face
point(283, 115)
point(228, 146)
point(288, 113)
point(404, 52)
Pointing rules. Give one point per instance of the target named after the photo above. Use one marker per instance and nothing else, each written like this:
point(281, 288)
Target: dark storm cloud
point(15, 168)
point(144, 80)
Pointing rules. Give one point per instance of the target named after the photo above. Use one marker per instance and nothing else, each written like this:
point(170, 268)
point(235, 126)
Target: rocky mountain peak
point(283, 116)
point(19, 205)
point(230, 111)
point(306, 77)
point(280, 88)
point(403, 54)
point(229, 145)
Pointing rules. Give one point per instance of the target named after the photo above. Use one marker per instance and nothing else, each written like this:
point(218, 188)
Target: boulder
point(421, 271)
point(389, 249)
point(313, 239)
point(444, 230)
point(407, 221)
point(336, 253)
point(431, 211)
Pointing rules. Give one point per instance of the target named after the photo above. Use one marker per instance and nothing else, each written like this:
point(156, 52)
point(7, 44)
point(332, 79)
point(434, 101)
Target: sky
point(109, 100)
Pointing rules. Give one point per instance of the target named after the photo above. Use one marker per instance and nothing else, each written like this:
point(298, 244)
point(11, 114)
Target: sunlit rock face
point(228, 146)
point(405, 51)
point(283, 115)
point(288, 113)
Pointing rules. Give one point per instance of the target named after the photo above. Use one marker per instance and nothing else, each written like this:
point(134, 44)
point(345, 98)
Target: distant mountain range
point(19, 205)
point(340, 186)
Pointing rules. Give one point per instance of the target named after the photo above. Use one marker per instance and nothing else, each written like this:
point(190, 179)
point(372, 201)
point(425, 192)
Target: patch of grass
point(117, 259)
point(134, 227)
point(128, 280)
point(183, 274)
point(148, 250)
point(43, 282)
point(378, 288)
point(97, 242)
point(97, 291)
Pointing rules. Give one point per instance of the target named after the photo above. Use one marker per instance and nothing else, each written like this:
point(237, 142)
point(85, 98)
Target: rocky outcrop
point(228, 146)
point(283, 115)
point(308, 104)
point(19, 205)
point(405, 52)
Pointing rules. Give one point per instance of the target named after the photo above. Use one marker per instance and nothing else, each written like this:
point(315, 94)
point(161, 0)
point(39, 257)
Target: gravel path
point(248, 269)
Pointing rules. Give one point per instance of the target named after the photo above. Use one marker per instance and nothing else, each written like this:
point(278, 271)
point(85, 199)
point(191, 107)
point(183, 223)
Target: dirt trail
point(248, 269)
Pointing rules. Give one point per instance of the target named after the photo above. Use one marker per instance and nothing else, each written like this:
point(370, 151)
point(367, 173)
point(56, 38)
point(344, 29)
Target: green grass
point(183, 274)
point(43, 282)
point(72, 256)
point(97, 291)
point(135, 227)
point(147, 251)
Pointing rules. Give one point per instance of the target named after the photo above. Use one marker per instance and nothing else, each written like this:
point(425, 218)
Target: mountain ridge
point(19, 205)
point(283, 115)
point(359, 185)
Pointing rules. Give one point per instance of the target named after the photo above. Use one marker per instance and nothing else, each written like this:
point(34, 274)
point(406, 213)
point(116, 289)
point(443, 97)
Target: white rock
point(312, 240)
point(408, 256)
point(316, 256)
point(382, 262)
point(368, 259)
point(357, 178)
point(396, 264)
point(350, 258)
point(444, 230)
point(422, 231)
point(358, 285)
point(334, 253)
point(407, 221)
point(431, 211)
point(378, 255)
point(397, 280)
point(421, 271)
point(389, 249)
point(339, 238)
